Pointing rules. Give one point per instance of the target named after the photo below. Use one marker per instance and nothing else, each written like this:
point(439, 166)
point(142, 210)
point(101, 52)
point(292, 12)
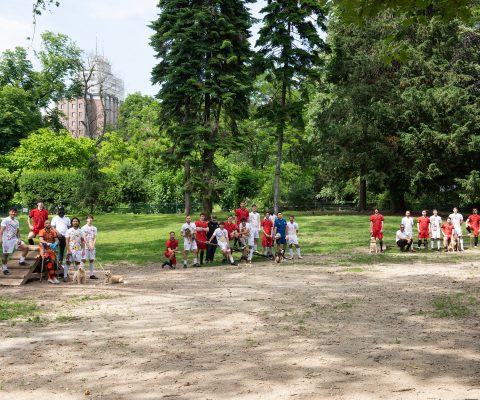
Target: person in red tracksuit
point(240, 213)
point(202, 229)
point(423, 227)
point(376, 227)
point(232, 229)
point(267, 240)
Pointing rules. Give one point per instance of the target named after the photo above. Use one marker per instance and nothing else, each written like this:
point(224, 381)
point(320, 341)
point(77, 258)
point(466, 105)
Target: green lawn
point(140, 238)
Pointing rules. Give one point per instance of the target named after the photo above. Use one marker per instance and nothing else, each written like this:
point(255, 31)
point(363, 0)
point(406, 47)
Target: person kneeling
point(403, 239)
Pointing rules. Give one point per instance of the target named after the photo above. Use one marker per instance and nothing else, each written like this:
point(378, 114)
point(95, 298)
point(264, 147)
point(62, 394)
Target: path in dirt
point(294, 331)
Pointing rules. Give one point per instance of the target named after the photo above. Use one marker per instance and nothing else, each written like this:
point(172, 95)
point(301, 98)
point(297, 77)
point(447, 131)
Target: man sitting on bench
point(403, 239)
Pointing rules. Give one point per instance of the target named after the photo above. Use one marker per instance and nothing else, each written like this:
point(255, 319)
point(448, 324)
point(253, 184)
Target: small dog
point(453, 245)
point(109, 278)
point(373, 245)
point(280, 255)
point(80, 277)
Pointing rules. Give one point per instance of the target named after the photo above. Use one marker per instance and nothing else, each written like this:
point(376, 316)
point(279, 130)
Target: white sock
point(22, 258)
point(4, 267)
point(290, 251)
point(251, 254)
point(431, 242)
point(438, 244)
point(195, 260)
point(91, 268)
point(65, 271)
point(184, 262)
point(461, 243)
point(298, 251)
point(231, 258)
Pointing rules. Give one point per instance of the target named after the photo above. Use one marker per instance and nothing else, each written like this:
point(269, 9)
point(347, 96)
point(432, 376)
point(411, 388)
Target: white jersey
point(273, 217)
point(435, 223)
point(248, 227)
point(254, 220)
point(190, 227)
point(10, 227)
point(457, 219)
point(408, 223)
point(61, 224)
point(90, 234)
point(401, 235)
point(221, 235)
point(292, 228)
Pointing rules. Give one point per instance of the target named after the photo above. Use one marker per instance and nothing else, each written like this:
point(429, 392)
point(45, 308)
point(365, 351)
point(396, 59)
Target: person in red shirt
point(170, 251)
point(240, 213)
point(376, 227)
point(473, 224)
point(423, 227)
point(202, 229)
point(232, 229)
point(447, 230)
point(48, 239)
point(267, 241)
point(36, 221)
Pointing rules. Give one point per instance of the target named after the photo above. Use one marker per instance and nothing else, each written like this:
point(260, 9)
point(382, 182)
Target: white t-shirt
point(402, 235)
point(90, 234)
point(254, 219)
point(248, 227)
point(435, 222)
point(273, 217)
point(408, 222)
point(75, 237)
point(457, 219)
point(292, 228)
point(10, 228)
point(221, 235)
point(61, 224)
point(192, 227)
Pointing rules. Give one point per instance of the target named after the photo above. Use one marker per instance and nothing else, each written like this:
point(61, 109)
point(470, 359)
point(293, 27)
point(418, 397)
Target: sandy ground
point(294, 331)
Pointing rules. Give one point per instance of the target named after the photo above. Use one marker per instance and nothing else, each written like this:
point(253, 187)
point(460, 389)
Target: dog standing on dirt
point(80, 277)
point(109, 278)
point(373, 245)
point(453, 245)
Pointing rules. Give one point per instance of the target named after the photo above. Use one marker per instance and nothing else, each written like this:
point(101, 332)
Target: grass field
point(140, 238)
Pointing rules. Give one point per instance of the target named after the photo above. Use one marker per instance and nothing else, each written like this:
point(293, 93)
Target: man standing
point(280, 227)
point(376, 227)
point(36, 221)
point(292, 236)
point(61, 223)
point(10, 239)
point(423, 227)
point(254, 220)
point(90, 234)
point(246, 238)
point(212, 227)
point(75, 242)
point(240, 213)
point(403, 239)
point(232, 229)
point(457, 221)
point(201, 228)
point(188, 232)
point(473, 225)
point(408, 222)
point(435, 229)
point(267, 241)
point(48, 239)
point(220, 235)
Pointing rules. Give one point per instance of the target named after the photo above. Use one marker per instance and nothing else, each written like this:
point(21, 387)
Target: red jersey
point(230, 228)
point(423, 223)
point(377, 220)
point(171, 244)
point(201, 235)
point(267, 225)
point(474, 220)
point(38, 218)
point(447, 229)
point(241, 214)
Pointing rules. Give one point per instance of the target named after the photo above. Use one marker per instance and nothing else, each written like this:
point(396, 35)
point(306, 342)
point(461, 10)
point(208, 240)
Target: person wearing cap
point(61, 223)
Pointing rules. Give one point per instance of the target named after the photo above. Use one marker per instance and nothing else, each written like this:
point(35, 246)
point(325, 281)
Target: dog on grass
point(373, 245)
point(453, 245)
point(80, 277)
point(109, 278)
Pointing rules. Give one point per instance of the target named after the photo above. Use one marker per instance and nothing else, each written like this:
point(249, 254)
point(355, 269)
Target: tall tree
point(290, 43)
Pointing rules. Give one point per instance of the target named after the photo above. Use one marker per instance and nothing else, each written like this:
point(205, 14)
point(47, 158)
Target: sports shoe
point(65, 279)
point(56, 280)
point(93, 277)
point(164, 264)
point(300, 257)
point(196, 265)
point(51, 281)
point(6, 272)
point(234, 264)
point(22, 263)
point(185, 266)
point(172, 266)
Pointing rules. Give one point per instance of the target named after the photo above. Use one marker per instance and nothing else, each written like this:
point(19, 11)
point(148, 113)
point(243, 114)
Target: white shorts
point(292, 239)
point(189, 245)
point(255, 233)
point(223, 246)
point(9, 246)
point(90, 254)
point(75, 257)
point(435, 234)
point(458, 230)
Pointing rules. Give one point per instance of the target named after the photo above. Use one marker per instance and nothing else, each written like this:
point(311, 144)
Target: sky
point(117, 28)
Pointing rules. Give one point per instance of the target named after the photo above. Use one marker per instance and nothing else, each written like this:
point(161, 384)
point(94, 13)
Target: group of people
point(54, 237)
point(202, 237)
point(429, 228)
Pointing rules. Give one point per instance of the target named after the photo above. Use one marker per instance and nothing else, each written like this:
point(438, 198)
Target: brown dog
point(109, 278)
point(80, 277)
point(373, 245)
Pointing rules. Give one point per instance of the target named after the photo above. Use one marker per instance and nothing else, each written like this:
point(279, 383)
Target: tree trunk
point(207, 171)
point(362, 194)
point(278, 165)
point(188, 189)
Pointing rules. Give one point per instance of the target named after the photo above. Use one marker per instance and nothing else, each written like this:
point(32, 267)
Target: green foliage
point(7, 183)
point(114, 149)
point(166, 187)
point(469, 188)
point(131, 181)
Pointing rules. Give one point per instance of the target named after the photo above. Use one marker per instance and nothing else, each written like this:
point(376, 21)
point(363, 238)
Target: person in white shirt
point(457, 221)
point(435, 229)
point(403, 239)
point(75, 246)
point(61, 223)
point(254, 220)
point(273, 216)
point(408, 222)
point(246, 237)
point(90, 234)
point(221, 235)
point(10, 239)
point(189, 242)
point(292, 236)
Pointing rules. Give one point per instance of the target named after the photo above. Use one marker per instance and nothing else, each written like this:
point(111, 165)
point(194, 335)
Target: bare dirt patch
point(294, 331)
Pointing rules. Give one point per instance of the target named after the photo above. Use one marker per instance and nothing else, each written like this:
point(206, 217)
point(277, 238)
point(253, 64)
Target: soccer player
point(75, 246)
point(240, 213)
point(90, 234)
point(435, 229)
point(246, 237)
point(232, 229)
point(403, 239)
point(448, 230)
point(170, 251)
point(220, 235)
point(10, 239)
point(376, 227)
point(48, 239)
point(212, 226)
point(408, 222)
point(280, 227)
point(473, 225)
point(61, 223)
point(254, 220)
point(457, 221)
point(201, 228)
point(267, 241)
point(423, 227)
point(189, 243)
point(292, 236)
point(36, 220)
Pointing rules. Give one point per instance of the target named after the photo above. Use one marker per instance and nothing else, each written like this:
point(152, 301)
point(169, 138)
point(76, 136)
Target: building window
point(73, 105)
point(73, 114)
point(79, 105)
point(80, 115)
point(61, 106)
point(73, 123)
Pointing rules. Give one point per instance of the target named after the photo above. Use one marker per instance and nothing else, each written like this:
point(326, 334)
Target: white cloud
point(13, 33)
point(121, 9)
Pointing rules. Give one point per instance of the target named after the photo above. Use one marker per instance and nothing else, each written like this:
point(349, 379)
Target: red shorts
point(267, 241)
point(423, 234)
point(377, 234)
point(475, 230)
point(201, 246)
point(36, 231)
point(168, 254)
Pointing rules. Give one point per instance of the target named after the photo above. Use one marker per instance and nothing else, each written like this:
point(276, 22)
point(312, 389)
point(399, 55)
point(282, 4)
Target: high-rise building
point(87, 115)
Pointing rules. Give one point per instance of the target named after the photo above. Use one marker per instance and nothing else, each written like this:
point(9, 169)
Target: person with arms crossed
point(10, 239)
point(267, 240)
point(423, 228)
point(188, 232)
point(220, 236)
point(403, 239)
point(36, 221)
point(292, 236)
point(435, 229)
point(473, 225)
point(75, 241)
point(254, 220)
point(61, 223)
point(90, 234)
point(457, 221)
point(376, 227)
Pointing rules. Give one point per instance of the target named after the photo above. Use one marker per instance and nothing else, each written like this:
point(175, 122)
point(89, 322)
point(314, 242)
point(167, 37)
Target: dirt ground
point(293, 331)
